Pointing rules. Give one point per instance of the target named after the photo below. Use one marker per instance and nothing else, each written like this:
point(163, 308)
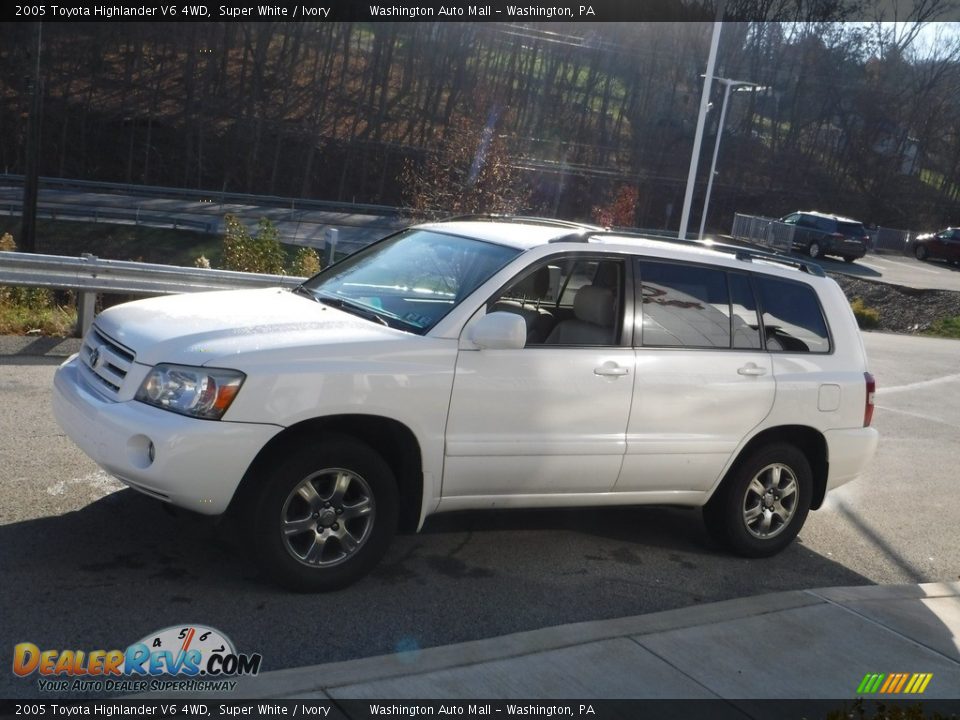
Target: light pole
point(701, 121)
point(727, 83)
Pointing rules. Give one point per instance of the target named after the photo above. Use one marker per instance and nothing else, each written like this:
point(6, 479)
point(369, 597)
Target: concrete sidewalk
point(809, 644)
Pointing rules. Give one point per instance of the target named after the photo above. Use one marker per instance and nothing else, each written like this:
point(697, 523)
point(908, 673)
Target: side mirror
point(499, 331)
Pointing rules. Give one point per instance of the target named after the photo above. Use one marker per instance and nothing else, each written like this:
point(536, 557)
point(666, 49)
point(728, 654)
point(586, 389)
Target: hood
point(205, 328)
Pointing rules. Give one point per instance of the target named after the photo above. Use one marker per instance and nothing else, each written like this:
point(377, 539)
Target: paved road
point(299, 227)
point(86, 564)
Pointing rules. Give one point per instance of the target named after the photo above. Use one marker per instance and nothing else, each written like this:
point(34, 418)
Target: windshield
point(412, 280)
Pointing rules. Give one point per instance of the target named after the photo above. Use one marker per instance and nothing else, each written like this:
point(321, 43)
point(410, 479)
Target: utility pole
point(28, 230)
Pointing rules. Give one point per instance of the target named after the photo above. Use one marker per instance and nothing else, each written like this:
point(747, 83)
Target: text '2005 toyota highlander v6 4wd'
point(482, 363)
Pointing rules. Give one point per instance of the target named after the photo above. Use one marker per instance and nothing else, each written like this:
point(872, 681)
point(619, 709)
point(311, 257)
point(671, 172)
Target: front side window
point(409, 281)
point(570, 301)
point(792, 318)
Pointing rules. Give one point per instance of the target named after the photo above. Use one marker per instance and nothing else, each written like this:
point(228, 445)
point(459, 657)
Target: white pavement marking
point(921, 416)
point(100, 482)
point(918, 385)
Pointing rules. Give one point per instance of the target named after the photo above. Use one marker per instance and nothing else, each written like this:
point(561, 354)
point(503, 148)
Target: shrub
point(260, 253)
point(867, 317)
point(306, 263)
point(947, 327)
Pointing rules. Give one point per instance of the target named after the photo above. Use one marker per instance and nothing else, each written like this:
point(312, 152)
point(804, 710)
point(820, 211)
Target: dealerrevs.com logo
point(181, 657)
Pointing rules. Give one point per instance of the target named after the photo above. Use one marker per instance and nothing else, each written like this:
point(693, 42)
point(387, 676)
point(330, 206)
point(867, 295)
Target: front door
point(549, 419)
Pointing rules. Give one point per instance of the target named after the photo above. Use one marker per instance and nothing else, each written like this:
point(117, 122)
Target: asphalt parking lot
point(89, 564)
point(899, 270)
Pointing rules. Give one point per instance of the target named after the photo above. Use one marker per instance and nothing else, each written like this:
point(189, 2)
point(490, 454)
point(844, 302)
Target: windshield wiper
point(354, 308)
point(306, 292)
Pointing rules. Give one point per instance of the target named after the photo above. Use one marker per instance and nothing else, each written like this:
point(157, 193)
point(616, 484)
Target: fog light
point(141, 451)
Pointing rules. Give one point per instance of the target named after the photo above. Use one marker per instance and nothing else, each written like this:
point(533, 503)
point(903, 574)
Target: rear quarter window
point(792, 317)
point(852, 229)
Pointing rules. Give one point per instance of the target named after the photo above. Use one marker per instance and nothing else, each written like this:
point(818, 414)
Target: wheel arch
point(396, 443)
point(808, 440)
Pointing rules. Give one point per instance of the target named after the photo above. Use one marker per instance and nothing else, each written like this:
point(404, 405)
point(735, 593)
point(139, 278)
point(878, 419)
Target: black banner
point(872, 709)
point(449, 11)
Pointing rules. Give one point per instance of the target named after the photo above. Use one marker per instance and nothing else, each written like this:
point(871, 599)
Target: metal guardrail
point(89, 276)
point(131, 217)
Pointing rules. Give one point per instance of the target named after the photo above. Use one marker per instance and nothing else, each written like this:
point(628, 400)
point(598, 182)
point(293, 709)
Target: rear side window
point(825, 224)
point(792, 318)
point(684, 306)
point(852, 229)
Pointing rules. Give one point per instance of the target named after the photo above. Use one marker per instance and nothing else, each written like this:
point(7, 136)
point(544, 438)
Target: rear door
point(703, 378)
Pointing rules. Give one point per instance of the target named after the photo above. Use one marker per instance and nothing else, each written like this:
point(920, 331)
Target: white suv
point(482, 363)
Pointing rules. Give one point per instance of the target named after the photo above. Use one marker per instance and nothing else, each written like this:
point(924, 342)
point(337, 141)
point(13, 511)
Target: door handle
point(610, 369)
point(752, 369)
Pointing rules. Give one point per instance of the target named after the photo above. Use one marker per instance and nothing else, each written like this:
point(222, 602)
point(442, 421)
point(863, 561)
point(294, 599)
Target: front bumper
point(195, 464)
point(849, 452)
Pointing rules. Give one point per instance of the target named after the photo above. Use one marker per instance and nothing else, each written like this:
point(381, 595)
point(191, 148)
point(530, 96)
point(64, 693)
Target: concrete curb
point(318, 680)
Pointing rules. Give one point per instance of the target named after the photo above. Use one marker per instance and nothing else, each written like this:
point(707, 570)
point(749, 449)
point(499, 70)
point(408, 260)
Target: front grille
point(106, 360)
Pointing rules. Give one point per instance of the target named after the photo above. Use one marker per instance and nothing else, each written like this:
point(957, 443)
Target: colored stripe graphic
point(869, 683)
point(894, 683)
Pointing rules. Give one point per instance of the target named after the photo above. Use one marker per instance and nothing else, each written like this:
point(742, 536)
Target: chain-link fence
point(764, 231)
point(773, 234)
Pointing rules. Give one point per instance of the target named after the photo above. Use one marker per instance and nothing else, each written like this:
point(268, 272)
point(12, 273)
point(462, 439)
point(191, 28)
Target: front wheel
point(848, 259)
point(325, 516)
point(813, 250)
point(921, 252)
point(763, 502)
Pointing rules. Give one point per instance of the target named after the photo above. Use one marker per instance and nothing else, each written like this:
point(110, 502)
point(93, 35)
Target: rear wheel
point(325, 516)
point(813, 249)
point(763, 502)
point(921, 252)
point(848, 259)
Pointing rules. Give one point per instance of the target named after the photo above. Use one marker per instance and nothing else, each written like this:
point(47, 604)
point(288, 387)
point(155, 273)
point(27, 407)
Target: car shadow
point(119, 568)
point(945, 264)
point(855, 269)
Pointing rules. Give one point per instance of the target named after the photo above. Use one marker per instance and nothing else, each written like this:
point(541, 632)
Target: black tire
point(847, 259)
point(921, 252)
point(350, 549)
point(814, 250)
point(728, 512)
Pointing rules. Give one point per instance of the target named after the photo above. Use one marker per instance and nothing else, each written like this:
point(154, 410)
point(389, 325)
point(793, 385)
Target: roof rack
point(533, 220)
point(743, 254)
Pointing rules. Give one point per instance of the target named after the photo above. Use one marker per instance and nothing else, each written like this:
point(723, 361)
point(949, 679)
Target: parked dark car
point(941, 245)
point(818, 234)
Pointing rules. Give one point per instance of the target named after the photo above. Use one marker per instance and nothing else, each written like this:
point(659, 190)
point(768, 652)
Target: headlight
point(198, 392)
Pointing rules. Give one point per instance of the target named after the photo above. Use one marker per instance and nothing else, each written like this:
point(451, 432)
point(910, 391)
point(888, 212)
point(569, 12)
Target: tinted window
point(852, 229)
point(684, 306)
point(792, 318)
point(745, 326)
point(825, 224)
